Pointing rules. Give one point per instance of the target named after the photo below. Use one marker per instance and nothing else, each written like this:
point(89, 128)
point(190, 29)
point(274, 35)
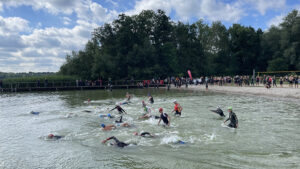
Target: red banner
point(190, 74)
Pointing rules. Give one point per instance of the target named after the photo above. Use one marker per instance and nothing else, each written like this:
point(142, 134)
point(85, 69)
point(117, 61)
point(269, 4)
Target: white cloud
point(210, 9)
point(275, 21)
point(1, 7)
point(85, 9)
point(23, 48)
point(101, 14)
point(263, 5)
point(112, 2)
point(13, 25)
point(42, 49)
point(141, 5)
point(66, 20)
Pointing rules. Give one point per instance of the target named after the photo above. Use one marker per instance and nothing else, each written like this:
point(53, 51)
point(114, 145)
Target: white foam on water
point(151, 121)
point(170, 139)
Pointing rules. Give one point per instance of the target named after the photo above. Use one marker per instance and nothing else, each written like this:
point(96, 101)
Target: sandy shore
point(276, 92)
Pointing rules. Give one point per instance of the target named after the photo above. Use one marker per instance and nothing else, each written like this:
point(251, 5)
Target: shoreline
point(284, 92)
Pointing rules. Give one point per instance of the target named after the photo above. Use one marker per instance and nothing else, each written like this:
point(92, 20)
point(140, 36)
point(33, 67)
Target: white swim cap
point(174, 101)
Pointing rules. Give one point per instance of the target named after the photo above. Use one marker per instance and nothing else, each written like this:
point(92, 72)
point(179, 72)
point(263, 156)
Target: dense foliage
point(24, 75)
point(151, 45)
point(42, 79)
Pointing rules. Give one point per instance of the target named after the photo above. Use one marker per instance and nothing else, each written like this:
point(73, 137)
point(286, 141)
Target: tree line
point(150, 45)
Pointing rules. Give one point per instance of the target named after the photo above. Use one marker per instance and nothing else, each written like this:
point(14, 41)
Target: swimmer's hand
point(104, 141)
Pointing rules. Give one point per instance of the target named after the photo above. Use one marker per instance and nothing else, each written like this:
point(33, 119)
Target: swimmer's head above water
point(50, 136)
point(103, 125)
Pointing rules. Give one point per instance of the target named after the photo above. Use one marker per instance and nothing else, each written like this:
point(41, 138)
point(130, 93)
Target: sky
point(36, 35)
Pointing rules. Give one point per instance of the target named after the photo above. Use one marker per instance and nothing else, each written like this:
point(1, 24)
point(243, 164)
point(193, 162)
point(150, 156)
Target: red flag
point(190, 74)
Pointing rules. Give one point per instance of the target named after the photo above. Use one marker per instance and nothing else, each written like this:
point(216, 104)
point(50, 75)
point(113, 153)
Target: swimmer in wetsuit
point(219, 111)
point(119, 108)
point(110, 127)
point(165, 117)
point(117, 142)
point(128, 96)
point(234, 123)
point(108, 115)
point(180, 142)
point(120, 120)
point(147, 111)
point(177, 108)
point(143, 134)
point(34, 112)
point(54, 137)
point(151, 100)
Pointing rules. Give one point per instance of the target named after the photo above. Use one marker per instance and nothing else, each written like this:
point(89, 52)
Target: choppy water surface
point(268, 135)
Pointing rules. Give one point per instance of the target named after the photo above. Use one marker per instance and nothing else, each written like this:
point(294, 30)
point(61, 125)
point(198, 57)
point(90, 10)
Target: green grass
point(34, 79)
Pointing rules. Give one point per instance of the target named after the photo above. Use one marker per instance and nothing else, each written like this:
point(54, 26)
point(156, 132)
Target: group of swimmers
point(164, 117)
point(234, 123)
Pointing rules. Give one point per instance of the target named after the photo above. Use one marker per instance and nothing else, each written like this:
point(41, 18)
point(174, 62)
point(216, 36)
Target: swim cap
point(108, 115)
point(174, 101)
point(161, 109)
point(103, 125)
point(229, 108)
point(218, 107)
point(181, 142)
point(117, 104)
point(50, 136)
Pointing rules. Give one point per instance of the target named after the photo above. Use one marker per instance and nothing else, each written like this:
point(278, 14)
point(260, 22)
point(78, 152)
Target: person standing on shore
point(296, 81)
point(234, 123)
point(274, 81)
point(281, 81)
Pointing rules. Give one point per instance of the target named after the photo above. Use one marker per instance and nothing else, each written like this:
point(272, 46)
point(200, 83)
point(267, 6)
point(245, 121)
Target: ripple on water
point(266, 137)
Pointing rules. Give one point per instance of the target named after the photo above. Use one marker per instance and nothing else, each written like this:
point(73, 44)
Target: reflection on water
point(268, 134)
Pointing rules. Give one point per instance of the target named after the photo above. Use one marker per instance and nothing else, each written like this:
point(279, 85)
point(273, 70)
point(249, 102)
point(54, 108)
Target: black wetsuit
point(233, 120)
point(119, 121)
point(219, 112)
point(119, 109)
point(118, 143)
point(146, 134)
point(151, 100)
point(55, 137)
point(156, 117)
point(164, 117)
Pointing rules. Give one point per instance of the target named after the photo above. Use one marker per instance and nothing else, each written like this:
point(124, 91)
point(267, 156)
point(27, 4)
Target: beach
point(284, 92)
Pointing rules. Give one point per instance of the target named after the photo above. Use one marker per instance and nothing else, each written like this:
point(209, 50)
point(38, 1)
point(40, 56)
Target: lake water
point(268, 135)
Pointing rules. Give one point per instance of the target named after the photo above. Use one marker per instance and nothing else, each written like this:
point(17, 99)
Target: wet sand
point(284, 92)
